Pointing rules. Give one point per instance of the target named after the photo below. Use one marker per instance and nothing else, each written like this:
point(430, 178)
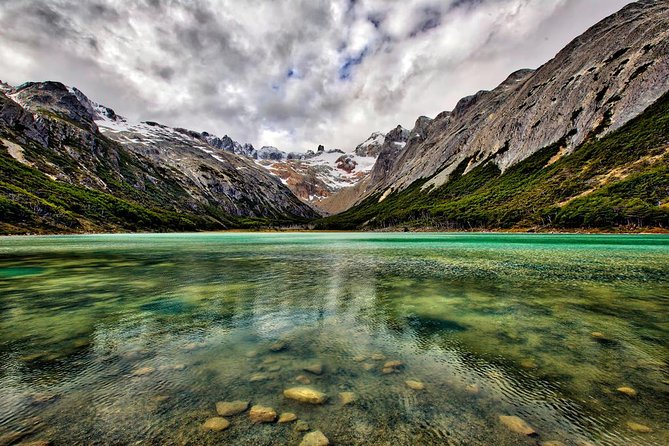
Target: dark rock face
point(596, 84)
point(55, 98)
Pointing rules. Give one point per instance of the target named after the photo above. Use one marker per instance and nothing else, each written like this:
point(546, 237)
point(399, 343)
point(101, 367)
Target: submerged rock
point(414, 385)
point(216, 424)
point(230, 408)
point(627, 391)
point(305, 395)
point(172, 367)
point(528, 363)
point(258, 377)
point(301, 426)
point(262, 414)
point(315, 438)
point(303, 379)
point(518, 425)
point(472, 388)
point(278, 346)
point(287, 417)
point(42, 398)
point(392, 367)
point(637, 427)
point(347, 398)
point(143, 371)
point(316, 369)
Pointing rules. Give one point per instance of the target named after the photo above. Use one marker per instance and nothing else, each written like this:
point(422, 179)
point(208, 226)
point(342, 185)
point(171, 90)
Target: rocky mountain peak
point(56, 98)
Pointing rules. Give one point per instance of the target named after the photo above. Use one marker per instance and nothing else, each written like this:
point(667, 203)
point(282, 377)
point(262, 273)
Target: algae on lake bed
point(413, 339)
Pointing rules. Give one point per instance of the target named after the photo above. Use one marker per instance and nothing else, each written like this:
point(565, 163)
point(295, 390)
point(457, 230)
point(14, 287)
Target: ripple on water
point(136, 341)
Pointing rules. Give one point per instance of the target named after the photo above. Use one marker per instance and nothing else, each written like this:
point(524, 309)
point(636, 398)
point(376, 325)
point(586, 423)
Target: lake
point(405, 339)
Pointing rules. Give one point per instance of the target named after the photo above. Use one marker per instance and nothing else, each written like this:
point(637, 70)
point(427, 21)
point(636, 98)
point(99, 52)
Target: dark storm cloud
point(293, 73)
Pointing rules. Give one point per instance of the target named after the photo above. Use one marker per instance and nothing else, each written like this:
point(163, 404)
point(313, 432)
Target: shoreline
point(528, 231)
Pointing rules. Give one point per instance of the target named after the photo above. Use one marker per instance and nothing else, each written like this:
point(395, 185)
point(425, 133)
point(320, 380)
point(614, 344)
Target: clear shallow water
point(490, 324)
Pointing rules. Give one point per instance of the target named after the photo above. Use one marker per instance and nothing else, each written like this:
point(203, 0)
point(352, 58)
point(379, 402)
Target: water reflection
point(120, 339)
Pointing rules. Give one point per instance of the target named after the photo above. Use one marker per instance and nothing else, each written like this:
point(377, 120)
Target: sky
point(289, 73)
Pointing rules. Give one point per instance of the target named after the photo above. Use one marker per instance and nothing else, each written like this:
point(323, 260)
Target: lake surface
point(132, 339)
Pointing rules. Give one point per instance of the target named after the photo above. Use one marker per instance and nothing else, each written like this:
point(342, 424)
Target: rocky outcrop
point(595, 85)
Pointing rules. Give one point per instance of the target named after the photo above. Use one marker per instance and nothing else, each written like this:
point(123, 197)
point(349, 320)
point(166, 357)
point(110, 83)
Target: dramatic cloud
point(294, 73)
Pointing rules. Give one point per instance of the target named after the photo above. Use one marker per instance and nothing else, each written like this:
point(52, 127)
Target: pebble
point(230, 408)
point(367, 366)
point(278, 346)
point(552, 443)
point(262, 414)
point(287, 417)
point(472, 388)
point(517, 425)
point(305, 395)
point(251, 354)
point(347, 398)
point(640, 428)
point(378, 356)
point(258, 377)
point(359, 358)
point(315, 438)
point(303, 379)
point(627, 391)
point(193, 346)
point(414, 385)
point(393, 364)
point(175, 367)
point(274, 368)
point(316, 369)
point(143, 371)
point(301, 426)
point(528, 364)
point(42, 398)
point(216, 424)
point(35, 443)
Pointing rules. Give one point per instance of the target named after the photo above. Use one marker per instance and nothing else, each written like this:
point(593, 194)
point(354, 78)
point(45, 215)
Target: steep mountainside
point(69, 164)
point(591, 89)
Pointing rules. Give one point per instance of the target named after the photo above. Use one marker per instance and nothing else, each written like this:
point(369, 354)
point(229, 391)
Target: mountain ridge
point(160, 175)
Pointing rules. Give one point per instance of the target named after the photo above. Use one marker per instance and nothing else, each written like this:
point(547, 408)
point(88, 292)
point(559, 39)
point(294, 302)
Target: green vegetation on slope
point(30, 201)
point(619, 180)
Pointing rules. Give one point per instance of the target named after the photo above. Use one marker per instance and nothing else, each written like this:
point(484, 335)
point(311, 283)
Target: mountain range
point(580, 142)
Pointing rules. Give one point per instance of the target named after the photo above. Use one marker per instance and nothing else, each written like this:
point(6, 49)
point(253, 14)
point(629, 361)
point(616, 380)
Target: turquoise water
point(132, 339)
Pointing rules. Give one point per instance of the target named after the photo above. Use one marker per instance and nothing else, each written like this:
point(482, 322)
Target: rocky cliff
point(595, 85)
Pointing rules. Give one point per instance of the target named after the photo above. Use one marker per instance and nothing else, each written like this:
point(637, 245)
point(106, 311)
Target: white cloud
point(293, 73)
